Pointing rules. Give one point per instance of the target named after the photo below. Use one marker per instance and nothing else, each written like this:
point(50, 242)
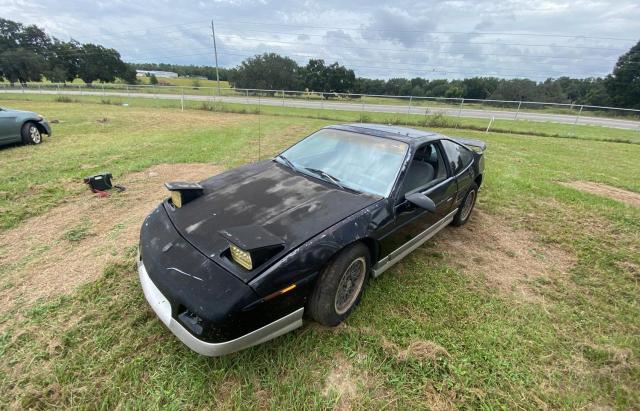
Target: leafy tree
point(597, 94)
point(313, 76)
point(395, 85)
point(334, 78)
point(56, 74)
point(623, 85)
point(517, 90)
point(98, 63)
point(267, 71)
point(153, 80)
point(21, 65)
point(479, 87)
point(67, 57)
point(23, 51)
point(126, 73)
point(437, 88)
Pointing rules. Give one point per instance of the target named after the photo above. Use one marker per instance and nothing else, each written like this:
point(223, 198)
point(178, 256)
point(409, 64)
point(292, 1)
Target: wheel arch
point(36, 123)
point(478, 180)
point(373, 245)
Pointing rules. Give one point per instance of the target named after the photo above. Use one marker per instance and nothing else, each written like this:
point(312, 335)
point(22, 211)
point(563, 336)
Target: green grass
point(79, 232)
point(523, 127)
point(575, 345)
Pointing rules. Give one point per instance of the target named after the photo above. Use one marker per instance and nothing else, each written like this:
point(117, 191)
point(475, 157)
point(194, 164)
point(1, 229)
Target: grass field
point(533, 304)
point(203, 87)
point(523, 127)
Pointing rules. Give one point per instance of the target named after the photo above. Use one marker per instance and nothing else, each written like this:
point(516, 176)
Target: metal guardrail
point(451, 106)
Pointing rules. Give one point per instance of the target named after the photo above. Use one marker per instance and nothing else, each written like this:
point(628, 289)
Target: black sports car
point(237, 259)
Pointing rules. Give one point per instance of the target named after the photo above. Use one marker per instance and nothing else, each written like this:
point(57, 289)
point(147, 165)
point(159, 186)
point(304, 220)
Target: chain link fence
point(411, 105)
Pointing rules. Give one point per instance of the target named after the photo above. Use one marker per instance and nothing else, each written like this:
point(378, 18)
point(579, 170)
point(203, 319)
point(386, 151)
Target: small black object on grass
point(102, 182)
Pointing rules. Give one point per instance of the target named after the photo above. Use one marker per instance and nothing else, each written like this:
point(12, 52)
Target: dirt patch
point(509, 258)
point(629, 197)
point(342, 383)
point(71, 245)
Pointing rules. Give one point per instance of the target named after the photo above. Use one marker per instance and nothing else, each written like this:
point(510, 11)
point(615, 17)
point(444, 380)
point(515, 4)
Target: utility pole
point(215, 52)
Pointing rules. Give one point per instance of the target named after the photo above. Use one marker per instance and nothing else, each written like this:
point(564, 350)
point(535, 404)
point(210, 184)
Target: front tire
point(30, 133)
point(466, 207)
point(340, 286)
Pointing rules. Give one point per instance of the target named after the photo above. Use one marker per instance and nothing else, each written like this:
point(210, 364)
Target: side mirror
point(421, 201)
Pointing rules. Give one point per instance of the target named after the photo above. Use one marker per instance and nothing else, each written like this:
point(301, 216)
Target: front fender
point(41, 123)
point(303, 264)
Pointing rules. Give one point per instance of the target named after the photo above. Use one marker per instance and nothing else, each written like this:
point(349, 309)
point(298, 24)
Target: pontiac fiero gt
point(237, 259)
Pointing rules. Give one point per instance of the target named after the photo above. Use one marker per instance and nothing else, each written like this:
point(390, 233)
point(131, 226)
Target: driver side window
point(427, 168)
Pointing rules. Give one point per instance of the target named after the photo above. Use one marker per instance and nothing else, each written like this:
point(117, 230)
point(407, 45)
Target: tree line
point(27, 53)
point(274, 72)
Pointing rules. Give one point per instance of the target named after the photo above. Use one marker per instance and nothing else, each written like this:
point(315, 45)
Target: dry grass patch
point(423, 350)
point(341, 382)
point(70, 245)
point(628, 197)
point(508, 258)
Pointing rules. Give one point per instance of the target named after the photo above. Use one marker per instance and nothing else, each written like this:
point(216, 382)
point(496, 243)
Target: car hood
point(17, 112)
point(269, 196)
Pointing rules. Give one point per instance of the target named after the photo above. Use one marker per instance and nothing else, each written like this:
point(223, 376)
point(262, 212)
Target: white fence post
point(518, 111)
point(460, 110)
point(578, 116)
point(406, 122)
point(490, 122)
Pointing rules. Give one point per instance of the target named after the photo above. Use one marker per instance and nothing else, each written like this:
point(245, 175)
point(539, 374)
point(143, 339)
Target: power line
point(414, 51)
point(573, 36)
point(458, 42)
point(411, 51)
point(617, 50)
point(472, 33)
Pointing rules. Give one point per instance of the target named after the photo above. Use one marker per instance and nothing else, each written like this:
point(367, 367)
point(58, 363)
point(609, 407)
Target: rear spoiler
point(473, 144)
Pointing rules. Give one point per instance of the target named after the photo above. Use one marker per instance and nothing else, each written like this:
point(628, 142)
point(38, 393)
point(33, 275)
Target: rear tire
point(340, 286)
point(466, 207)
point(30, 133)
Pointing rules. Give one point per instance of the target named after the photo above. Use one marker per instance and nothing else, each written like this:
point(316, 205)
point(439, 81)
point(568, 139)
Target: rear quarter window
point(459, 156)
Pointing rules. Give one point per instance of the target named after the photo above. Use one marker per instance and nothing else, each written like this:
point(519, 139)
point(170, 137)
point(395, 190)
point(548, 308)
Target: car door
point(428, 174)
point(7, 126)
point(460, 161)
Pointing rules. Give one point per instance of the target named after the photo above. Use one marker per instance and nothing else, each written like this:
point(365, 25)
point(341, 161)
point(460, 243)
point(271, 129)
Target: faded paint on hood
point(290, 205)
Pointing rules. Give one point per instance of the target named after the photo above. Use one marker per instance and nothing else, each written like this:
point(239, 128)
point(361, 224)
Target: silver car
point(22, 127)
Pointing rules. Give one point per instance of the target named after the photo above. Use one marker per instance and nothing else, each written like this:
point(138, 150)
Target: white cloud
point(377, 39)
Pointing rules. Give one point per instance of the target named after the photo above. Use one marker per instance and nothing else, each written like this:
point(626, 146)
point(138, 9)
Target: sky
point(377, 39)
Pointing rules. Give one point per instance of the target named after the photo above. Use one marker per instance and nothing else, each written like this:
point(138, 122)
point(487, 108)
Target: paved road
point(398, 109)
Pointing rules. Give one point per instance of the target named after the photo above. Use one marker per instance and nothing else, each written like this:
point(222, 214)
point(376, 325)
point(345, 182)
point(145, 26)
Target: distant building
point(147, 73)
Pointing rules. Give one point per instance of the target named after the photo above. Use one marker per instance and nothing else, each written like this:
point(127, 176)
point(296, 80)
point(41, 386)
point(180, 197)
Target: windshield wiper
point(287, 162)
point(326, 176)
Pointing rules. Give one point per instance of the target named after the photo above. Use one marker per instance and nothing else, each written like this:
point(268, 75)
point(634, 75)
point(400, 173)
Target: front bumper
point(47, 128)
point(162, 308)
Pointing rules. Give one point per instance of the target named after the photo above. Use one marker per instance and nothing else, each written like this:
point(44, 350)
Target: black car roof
point(405, 134)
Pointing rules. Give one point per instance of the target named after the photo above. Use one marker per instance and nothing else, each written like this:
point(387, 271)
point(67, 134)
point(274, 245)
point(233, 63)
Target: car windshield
point(356, 161)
